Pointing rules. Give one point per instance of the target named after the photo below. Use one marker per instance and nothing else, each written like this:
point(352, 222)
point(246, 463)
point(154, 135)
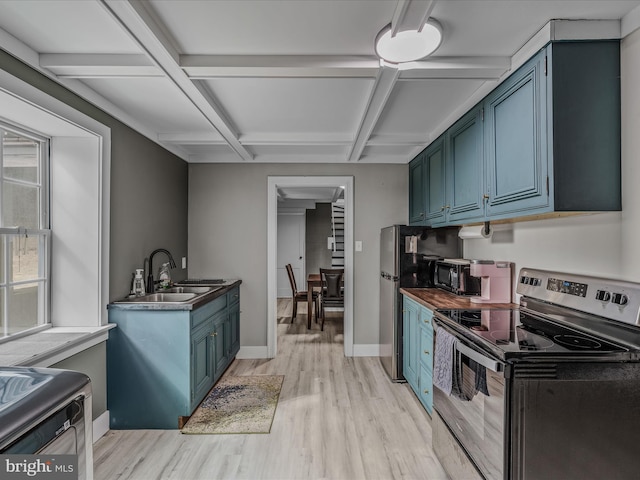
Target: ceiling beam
point(411, 15)
point(95, 65)
point(385, 81)
point(153, 39)
point(479, 68)
point(211, 66)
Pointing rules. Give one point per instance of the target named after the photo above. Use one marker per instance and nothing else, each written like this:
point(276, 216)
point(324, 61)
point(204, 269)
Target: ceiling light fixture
point(408, 45)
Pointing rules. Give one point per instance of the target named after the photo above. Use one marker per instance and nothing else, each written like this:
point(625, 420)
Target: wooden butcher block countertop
point(434, 298)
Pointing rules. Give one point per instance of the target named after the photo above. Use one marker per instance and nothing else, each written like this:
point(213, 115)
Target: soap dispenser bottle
point(164, 276)
point(138, 283)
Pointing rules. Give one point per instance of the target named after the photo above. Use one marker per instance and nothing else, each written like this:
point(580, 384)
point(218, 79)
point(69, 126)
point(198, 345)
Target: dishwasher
point(47, 411)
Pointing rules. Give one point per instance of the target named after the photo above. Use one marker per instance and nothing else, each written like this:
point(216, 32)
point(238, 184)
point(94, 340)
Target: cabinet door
point(410, 341)
point(201, 362)
point(465, 179)
point(515, 120)
point(417, 191)
point(234, 330)
point(434, 169)
point(220, 353)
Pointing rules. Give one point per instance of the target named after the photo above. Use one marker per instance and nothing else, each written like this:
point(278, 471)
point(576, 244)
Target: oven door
point(476, 419)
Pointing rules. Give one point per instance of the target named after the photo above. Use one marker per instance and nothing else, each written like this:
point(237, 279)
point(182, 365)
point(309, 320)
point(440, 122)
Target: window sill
point(51, 346)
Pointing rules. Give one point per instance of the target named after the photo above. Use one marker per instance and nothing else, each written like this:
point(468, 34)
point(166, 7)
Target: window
point(25, 235)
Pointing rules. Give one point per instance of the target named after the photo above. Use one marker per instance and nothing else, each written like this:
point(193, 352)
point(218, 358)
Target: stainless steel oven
point(547, 390)
point(476, 417)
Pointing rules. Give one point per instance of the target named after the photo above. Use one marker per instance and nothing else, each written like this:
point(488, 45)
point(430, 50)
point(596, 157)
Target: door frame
point(272, 252)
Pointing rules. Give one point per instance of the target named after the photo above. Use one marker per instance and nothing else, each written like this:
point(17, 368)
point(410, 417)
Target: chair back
point(332, 282)
point(292, 279)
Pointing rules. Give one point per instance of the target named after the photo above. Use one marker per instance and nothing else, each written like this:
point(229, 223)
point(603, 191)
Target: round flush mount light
point(408, 45)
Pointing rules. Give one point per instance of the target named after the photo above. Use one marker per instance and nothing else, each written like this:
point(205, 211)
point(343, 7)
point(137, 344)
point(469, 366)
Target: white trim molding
point(272, 249)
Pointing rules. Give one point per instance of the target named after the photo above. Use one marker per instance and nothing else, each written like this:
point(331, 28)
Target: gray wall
point(92, 363)
point(148, 204)
point(318, 228)
point(228, 232)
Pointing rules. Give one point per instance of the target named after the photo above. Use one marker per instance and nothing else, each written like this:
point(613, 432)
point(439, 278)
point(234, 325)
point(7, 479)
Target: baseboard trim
point(100, 426)
point(250, 353)
point(366, 350)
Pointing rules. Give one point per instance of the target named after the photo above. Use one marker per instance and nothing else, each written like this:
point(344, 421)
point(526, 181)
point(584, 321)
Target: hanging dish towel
point(481, 377)
point(444, 363)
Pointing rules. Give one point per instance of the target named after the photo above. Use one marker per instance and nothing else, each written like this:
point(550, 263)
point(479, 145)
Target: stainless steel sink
point(197, 290)
point(163, 298)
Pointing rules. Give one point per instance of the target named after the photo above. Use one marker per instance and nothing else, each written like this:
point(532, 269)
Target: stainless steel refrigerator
point(407, 259)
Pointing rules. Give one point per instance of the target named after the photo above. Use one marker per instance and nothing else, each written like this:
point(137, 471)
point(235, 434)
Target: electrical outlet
point(358, 245)
point(184, 262)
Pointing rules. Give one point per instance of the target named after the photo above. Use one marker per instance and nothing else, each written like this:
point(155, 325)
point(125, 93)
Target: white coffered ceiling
point(281, 80)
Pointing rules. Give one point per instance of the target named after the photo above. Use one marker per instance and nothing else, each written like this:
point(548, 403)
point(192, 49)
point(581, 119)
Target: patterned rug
point(244, 404)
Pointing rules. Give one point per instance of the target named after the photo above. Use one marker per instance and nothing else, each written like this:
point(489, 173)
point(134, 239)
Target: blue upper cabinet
point(546, 140)
point(465, 185)
point(515, 129)
point(416, 191)
point(434, 169)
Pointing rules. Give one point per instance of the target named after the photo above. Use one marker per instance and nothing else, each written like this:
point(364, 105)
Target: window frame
point(12, 233)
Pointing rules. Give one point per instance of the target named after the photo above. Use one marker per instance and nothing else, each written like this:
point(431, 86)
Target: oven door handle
point(477, 357)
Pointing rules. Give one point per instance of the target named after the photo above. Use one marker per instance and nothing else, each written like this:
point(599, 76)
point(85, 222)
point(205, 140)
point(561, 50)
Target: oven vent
point(529, 370)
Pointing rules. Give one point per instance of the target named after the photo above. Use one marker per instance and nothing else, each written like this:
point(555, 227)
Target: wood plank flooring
point(337, 418)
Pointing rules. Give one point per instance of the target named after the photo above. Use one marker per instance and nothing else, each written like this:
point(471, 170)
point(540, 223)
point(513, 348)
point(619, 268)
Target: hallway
point(337, 418)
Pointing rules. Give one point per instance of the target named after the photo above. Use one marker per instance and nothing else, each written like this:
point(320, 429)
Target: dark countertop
point(192, 304)
point(434, 298)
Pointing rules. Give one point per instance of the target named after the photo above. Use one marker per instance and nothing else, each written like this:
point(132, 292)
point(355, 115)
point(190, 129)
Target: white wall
point(604, 244)
point(228, 232)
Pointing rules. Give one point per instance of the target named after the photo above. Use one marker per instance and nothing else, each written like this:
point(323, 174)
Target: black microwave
point(453, 276)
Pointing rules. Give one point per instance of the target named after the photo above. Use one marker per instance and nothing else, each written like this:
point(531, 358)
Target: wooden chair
point(331, 294)
point(300, 295)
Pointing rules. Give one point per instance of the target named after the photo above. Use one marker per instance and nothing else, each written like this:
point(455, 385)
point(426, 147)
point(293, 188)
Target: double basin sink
point(176, 294)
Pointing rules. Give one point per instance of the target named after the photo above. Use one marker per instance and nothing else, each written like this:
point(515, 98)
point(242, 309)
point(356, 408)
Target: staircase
point(337, 224)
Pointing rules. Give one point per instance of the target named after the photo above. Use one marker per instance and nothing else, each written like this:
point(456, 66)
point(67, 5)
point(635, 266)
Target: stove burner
point(577, 342)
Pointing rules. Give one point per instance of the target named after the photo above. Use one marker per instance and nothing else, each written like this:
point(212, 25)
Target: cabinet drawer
point(233, 296)
point(200, 315)
point(425, 392)
point(426, 319)
point(426, 348)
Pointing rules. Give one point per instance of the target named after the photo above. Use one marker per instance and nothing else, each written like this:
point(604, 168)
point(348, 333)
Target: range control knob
point(619, 299)
point(603, 296)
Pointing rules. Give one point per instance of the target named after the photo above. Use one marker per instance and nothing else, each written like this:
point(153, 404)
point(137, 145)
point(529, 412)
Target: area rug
point(244, 404)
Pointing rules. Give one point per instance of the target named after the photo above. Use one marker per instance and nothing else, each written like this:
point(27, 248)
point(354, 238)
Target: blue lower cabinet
point(162, 363)
point(418, 350)
point(425, 391)
point(410, 312)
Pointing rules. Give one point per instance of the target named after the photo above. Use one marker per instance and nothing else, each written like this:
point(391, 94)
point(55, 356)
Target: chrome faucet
point(150, 282)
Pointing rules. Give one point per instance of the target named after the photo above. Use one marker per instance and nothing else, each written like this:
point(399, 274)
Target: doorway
point(274, 183)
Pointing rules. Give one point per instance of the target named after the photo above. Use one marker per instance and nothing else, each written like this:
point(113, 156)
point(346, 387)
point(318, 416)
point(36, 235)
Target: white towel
point(443, 362)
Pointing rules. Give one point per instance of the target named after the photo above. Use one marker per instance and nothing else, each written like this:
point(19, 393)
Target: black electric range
point(516, 333)
point(539, 387)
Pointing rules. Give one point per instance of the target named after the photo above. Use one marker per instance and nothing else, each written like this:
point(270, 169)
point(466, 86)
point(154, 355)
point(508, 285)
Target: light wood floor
point(337, 418)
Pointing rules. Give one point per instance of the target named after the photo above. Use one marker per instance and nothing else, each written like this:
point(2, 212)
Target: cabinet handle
point(426, 352)
point(214, 334)
point(426, 321)
point(426, 392)
point(421, 214)
point(442, 208)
